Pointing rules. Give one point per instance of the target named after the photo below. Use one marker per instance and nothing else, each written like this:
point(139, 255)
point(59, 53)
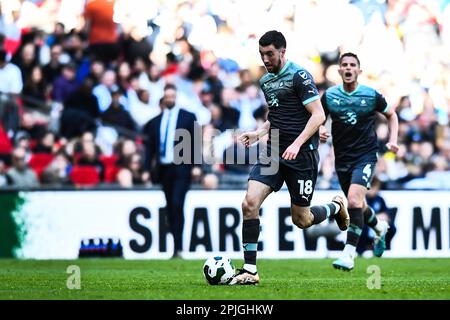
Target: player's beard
point(276, 68)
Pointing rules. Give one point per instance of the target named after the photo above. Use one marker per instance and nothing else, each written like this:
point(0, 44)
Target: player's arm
point(393, 130)
point(264, 129)
point(323, 131)
point(308, 94)
point(391, 116)
point(249, 138)
point(313, 124)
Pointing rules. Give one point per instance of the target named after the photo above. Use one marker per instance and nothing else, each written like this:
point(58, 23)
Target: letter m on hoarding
point(435, 224)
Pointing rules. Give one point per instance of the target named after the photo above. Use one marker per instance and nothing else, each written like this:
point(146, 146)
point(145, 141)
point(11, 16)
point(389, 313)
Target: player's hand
point(323, 134)
point(392, 147)
point(291, 152)
point(248, 138)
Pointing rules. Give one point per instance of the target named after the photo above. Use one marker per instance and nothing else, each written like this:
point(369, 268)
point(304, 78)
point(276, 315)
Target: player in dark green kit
point(353, 108)
point(295, 114)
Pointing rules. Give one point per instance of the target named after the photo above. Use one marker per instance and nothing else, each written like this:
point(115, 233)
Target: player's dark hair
point(349, 54)
point(273, 37)
point(170, 86)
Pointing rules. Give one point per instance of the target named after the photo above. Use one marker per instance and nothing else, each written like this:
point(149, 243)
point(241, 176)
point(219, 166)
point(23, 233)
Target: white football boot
point(379, 242)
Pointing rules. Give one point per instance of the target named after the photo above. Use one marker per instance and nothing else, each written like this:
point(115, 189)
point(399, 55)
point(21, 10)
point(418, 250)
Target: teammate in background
point(295, 114)
point(353, 107)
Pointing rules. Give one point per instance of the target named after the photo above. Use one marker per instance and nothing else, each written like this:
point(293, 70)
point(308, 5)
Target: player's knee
point(250, 208)
point(301, 222)
point(355, 202)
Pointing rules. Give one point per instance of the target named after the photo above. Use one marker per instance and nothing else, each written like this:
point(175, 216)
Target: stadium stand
point(208, 49)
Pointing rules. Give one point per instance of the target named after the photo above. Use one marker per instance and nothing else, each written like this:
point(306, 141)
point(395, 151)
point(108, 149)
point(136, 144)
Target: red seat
point(6, 145)
point(109, 161)
point(85, 175)
point(39, 161)
point(111, 174)
point(111, 169)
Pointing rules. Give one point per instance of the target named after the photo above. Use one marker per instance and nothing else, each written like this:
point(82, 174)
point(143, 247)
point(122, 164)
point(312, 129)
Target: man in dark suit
point(165, 165)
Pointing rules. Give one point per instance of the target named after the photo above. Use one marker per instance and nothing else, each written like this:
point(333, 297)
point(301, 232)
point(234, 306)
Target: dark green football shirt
point(286, 94)
point(353, 121)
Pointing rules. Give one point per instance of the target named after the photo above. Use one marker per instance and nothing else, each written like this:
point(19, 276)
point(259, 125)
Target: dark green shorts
point(360, 172)
point(300, 175)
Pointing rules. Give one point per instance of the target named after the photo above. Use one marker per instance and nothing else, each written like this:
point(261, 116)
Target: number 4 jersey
point(353, 121)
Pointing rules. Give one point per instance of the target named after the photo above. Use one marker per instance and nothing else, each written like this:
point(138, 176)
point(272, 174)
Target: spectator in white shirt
point(140, 108)
point(10, 86)
point(10, 76)
point(103, 91)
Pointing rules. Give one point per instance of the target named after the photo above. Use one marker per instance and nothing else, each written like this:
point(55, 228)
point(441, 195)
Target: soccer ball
point(218, 270)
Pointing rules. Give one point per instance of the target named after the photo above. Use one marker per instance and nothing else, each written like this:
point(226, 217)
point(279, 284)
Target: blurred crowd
point(80, 79)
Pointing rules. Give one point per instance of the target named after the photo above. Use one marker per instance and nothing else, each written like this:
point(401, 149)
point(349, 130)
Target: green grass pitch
point(183, 280)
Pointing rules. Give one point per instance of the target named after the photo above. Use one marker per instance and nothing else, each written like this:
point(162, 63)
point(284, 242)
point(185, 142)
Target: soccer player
point(353, 108)
point(295, 114)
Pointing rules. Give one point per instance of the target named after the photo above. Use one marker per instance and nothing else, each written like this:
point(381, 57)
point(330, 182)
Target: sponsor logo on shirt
point(273, 100)
point(349, 117)
point(283, 84)
point(303, 74)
